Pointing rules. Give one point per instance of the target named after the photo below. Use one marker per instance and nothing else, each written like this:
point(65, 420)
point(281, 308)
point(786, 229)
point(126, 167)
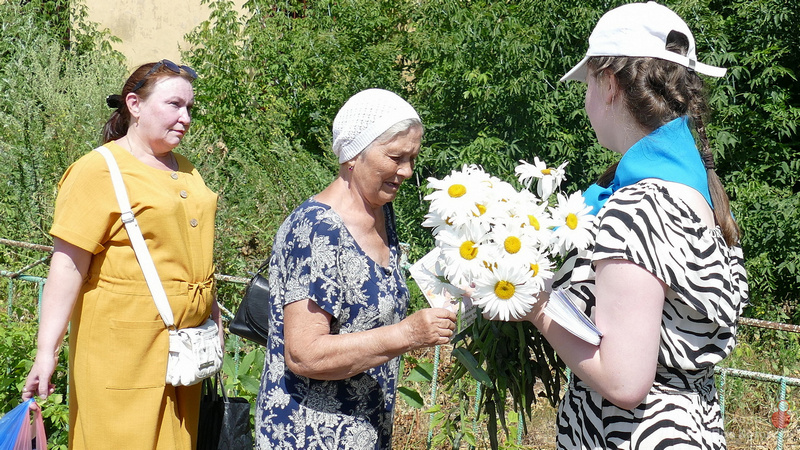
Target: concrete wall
point(150, 30)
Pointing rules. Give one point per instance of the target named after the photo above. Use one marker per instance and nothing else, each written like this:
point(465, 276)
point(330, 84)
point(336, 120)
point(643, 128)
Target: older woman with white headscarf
point(338, 309)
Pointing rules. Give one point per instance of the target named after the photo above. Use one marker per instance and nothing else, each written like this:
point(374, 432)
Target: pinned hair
point(115, 101)
point(139, 81)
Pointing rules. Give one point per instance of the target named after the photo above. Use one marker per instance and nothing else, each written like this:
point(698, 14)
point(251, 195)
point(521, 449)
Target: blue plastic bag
point(16, 432)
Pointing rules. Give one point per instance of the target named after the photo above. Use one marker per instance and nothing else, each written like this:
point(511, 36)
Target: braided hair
point(658, 91)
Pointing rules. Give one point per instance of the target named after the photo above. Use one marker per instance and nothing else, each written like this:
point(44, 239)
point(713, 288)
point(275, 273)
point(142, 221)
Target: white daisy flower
point(529, 212)
point(541, 270)
point(461, 250)
point(549, 178)
point(513, 244)
point(573, 223)
point(527, 172)
point(436, 221)
point(458, 192)
point(500, 190)
point(505, 292)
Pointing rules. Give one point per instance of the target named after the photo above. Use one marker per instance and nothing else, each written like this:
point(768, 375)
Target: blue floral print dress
point(315, 257)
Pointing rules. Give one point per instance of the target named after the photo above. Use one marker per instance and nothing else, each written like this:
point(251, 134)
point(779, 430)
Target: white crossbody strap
point(137, 240)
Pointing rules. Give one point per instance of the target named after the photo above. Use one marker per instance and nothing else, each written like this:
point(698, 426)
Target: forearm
point(340, 356)
point(312, 351)
point(628, 310)
point(581, 357)
point(621, 377)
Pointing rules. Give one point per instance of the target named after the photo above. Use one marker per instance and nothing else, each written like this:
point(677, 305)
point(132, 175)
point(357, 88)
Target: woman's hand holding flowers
point(429, 327)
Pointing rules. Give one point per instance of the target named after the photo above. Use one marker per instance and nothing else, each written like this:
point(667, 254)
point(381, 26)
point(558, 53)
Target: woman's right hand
point(38, 381)
point(429, 327)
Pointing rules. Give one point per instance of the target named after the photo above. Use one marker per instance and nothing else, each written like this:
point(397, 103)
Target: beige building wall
point(150, 30)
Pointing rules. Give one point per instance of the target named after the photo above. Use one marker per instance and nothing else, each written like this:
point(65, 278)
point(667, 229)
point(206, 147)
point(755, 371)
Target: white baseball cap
point(640, 30)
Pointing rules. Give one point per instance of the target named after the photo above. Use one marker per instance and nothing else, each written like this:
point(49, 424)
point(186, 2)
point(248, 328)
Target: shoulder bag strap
point(137, 240)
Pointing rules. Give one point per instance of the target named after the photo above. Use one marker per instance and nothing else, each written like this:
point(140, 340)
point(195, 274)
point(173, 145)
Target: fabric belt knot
point(198, 291)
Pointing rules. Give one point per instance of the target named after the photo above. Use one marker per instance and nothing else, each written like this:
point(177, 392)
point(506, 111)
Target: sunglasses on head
point(169, 65)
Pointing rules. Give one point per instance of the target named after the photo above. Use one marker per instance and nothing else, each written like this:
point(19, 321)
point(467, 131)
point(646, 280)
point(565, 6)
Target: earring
point(350, 168)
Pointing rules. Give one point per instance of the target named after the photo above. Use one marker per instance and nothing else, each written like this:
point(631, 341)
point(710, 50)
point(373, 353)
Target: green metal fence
point(13, 278)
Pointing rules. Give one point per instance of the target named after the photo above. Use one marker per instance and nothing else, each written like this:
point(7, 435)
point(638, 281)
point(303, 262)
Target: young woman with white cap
point(338, 315)
point(664, 280)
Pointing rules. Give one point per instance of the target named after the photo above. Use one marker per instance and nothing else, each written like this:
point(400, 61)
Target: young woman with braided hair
point(664, 279)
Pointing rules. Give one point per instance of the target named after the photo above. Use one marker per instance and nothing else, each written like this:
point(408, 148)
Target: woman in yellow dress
point(118, 343)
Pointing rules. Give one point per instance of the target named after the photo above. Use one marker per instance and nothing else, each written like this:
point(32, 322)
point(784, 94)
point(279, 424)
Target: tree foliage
point(51, 110)
point(757, 112)
point(482, 74)
point(54, 76)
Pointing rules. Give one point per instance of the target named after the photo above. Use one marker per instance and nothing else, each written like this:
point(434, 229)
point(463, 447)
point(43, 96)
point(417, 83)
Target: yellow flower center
point(534, 222)
point(468, 250)
point(535, 269)
point(481, 210)
point(512, 244)
point(572, 221)
point(546, 171)
point(504, 290)
point(456, 190)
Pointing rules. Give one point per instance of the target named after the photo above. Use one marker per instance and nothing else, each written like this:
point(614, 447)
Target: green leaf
point(434, 409)
point(422, 373)
point(471, 364)
point(248, 359)
point(411, 396)
point(250, 384)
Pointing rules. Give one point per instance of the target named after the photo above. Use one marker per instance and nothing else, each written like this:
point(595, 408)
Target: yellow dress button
point(184, 194)
point(174, 175)
point(193, 222)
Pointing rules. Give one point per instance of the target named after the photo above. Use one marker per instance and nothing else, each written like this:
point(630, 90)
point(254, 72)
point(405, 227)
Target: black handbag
point(252, 318)
point(224, 421)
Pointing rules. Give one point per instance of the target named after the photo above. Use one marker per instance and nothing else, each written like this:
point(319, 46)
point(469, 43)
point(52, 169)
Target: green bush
point(482, 74)
point(52, 107)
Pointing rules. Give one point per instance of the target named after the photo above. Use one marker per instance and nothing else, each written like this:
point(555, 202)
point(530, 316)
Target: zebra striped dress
point(707, 291)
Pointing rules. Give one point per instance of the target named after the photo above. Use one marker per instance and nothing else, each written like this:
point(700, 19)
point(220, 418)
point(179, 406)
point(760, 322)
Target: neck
point(629, 130)
point(140, 150)
point(342, 196)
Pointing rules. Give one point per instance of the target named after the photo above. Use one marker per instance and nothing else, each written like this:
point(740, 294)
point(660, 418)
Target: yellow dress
point(118, 397)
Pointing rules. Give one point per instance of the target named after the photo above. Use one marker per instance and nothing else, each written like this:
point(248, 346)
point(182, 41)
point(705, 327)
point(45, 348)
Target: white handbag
point(194, 353)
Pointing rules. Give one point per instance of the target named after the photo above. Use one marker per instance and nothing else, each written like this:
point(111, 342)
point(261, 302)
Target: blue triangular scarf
point(669, 153)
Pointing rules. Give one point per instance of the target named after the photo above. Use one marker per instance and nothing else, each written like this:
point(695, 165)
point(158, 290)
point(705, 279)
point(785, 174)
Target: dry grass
point(748, 411)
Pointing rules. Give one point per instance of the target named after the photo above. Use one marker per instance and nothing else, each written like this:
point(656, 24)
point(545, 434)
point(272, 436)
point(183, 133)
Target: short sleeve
point(310, 255)
point(631, 227)
point(86, 208)
point(643, 224)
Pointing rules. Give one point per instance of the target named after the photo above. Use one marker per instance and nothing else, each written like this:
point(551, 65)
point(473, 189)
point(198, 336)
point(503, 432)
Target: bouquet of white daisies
point(504, 245)
point(502, 242)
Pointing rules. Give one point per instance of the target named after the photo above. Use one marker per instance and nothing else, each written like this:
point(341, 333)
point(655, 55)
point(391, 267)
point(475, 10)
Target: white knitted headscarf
point(364, 117)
